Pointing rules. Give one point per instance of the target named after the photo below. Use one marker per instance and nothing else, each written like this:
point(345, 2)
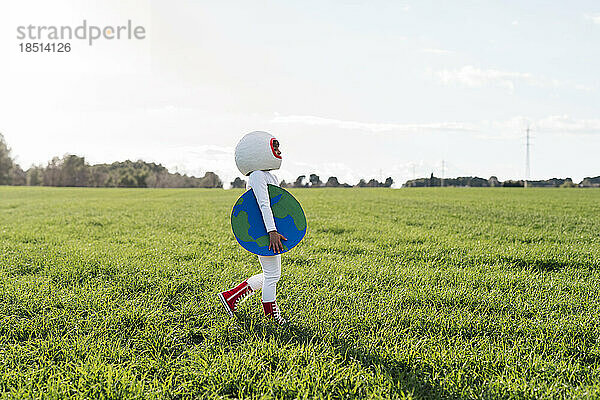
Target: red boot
point(272, 311)
point(232, 297)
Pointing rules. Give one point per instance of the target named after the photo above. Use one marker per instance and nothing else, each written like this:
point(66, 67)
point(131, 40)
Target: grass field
point(424, 293)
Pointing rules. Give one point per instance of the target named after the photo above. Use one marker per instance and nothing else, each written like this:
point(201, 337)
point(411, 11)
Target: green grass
point(449, 293)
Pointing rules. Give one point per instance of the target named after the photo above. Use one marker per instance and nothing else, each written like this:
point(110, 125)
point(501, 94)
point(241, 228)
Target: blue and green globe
point(248, 226)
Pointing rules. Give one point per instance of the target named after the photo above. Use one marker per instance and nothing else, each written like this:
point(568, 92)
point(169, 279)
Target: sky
point(351, 89)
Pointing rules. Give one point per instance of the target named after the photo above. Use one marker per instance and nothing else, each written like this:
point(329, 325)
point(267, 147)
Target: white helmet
point(255, 152)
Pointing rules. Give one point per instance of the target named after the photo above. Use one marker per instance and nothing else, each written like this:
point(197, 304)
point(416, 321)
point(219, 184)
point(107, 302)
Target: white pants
point(271, 266)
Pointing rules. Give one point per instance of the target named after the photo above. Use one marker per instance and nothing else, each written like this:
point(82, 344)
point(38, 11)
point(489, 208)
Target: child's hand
point(275, 239)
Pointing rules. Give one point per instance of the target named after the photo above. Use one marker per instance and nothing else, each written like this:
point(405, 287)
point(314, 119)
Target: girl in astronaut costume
point(255, 155)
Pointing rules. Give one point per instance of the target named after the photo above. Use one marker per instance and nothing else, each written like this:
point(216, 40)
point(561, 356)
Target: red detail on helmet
point(273, 149)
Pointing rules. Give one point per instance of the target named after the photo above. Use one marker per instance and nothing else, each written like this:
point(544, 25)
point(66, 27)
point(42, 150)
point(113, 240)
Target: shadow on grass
point(547, 265)
point(447, 257)
point(404, 377)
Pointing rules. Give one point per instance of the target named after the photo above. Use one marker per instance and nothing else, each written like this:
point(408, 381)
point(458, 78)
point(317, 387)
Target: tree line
point(73, 170)
point(474, 181)
point(314, 181)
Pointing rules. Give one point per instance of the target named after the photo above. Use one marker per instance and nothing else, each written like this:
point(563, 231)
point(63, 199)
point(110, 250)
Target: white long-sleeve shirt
point(258, 181)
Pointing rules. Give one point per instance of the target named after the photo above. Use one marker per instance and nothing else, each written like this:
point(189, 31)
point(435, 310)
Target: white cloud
point(474, 77)
point(595, 18)
point(370, 126)
point(210, 150)
point(568, 125)
point(436, 51)
point(553, 124)
point(511, 127)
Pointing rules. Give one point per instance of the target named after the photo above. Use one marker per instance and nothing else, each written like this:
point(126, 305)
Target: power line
point(527, 159)
point(443, 170)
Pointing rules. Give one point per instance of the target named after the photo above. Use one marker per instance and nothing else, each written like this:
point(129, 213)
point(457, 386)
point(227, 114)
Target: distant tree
point(315, 181)
point(126, 180)
point(511, 183)
point(73, 171)
point(155, 180)
point(98, 176)
point(51, 176)
point(17, 176)
point(468, 181)
point(434, 181)
point(332, 182)
point(238, 183)
point(388, 182)
point(6, 162)
point(361, 183)
point(300, 182)
point(552, 182)
point(589, 182)
point(284, 184)
point(494, 182)
point(35, 175)
point(568, 183)
point(210, 180)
